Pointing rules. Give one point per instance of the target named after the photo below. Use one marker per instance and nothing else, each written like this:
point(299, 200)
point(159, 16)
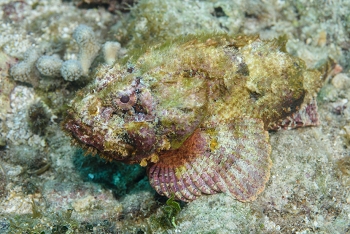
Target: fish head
point(130, 116)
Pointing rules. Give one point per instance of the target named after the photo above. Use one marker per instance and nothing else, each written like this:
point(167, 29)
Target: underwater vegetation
point(167, 217)
point(196, 111)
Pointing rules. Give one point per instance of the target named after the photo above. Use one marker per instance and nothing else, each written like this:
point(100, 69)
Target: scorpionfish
point(196, 111)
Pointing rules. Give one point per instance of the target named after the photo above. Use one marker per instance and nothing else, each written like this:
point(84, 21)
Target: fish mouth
point(95, 141)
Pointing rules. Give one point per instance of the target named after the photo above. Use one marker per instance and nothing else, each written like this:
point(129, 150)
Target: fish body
point(196, 112)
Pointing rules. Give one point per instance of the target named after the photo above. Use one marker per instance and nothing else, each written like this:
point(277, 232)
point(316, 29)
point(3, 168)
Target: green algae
point(171, 210)
point(166, 219)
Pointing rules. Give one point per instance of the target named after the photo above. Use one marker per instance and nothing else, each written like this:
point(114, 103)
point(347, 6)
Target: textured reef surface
point(175, 101)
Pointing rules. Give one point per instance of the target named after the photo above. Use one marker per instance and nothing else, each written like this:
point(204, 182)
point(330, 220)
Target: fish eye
point(124, 99)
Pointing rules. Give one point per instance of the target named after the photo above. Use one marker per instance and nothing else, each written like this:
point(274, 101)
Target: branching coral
point(35, 65)
point(49, 65)
point(25, 70)
point(88, 46)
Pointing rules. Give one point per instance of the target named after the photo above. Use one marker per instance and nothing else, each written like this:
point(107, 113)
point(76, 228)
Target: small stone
point(339, 106)
point(83, 204)
point(341, 81)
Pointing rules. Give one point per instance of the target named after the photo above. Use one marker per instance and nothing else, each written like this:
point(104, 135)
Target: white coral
point(71, 70)
point(49, 65)
point(24, 71)
point(110, 51)
point(88, 46)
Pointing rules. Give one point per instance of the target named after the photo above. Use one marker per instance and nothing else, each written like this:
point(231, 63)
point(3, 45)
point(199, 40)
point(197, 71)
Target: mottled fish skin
point(196, 111)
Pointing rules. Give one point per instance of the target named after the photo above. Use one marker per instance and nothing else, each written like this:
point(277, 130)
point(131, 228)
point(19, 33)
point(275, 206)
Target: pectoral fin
point(233, 158)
